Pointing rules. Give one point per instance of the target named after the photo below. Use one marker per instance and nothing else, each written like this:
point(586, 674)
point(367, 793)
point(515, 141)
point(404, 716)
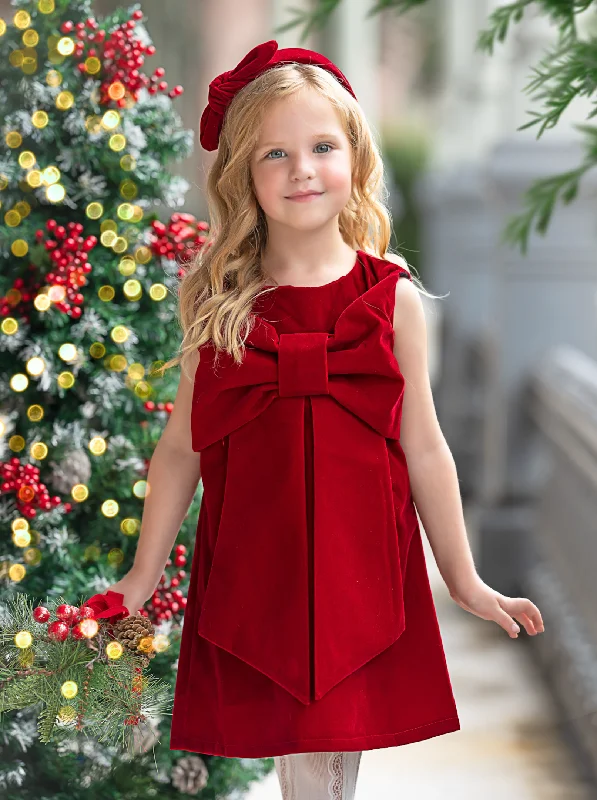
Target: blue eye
point(321, 144)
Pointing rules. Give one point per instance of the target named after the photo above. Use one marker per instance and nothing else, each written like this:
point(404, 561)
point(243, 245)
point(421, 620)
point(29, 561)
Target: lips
point(304, 196)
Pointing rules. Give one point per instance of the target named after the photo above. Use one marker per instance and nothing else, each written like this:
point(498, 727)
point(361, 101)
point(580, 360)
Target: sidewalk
point(508, 747)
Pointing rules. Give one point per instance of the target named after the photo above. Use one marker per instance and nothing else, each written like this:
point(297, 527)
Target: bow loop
point(302, 364)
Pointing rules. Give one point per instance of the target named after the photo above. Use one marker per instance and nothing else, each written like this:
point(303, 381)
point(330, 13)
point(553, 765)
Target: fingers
point(525, 611)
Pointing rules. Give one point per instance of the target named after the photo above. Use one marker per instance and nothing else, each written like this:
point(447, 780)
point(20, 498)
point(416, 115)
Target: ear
point(396, 259)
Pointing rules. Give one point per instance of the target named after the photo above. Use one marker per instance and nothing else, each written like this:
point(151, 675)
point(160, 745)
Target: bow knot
point(302, 364)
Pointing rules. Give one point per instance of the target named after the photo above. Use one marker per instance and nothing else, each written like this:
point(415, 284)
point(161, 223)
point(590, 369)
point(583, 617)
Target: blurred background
point(513, 349)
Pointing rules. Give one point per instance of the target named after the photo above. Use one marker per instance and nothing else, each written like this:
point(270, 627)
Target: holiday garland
point(84, 665)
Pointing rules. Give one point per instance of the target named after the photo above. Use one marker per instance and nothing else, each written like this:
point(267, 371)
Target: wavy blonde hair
point(217, 291)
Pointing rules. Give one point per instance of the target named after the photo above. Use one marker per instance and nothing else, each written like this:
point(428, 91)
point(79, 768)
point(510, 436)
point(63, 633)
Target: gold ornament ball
point(16, 443)
point(65, 46)
point(115, 556)
point(54, 78)
point(39, 451)
point(106, 293)
point(42, 302)
point(19, 382)
point(108, 238)
point(110, 120)
point(20, 524)
point(19, 248)
point(109, 508)
point(69, 689)
point(97, 446)
point(21, 538)
point(127, 163)
point(22, 20)
point(67, 352)
point(142, 254)
point(97, 350)
point(141, 489)
point(132, 289)
point(26, 159)
point(117, 142)
point(2, 27)
point(120, 245)
point(23, 639)
point(157, 291)
point(34, 178)
point(35, 413)
point(94, 210)
point(93, 65)
point(120, 333)
point(9, 326)
point(55, 193)
point(66, 379)
point(46, 6)
point(109, 225)
point(30, 38)
point(114, 650)
point(17, 572)
point(127, 265)
point(117, 363)
point(13, 139)
point(65, 100)
point(35, 366)
point(39, 119)
point(32, 556)
point(79, 492)
point(129, 526)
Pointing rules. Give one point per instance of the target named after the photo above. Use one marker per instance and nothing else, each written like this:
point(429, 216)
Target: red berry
point(58, 630)
point(41, 614)
point(76, 632)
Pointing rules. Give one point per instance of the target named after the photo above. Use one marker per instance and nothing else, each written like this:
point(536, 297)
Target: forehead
point(305, 112)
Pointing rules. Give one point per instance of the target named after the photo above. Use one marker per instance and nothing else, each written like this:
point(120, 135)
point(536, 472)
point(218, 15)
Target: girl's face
point(302, 147)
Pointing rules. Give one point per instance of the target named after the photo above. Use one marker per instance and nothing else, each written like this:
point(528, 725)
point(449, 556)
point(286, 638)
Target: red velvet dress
point(310, 623)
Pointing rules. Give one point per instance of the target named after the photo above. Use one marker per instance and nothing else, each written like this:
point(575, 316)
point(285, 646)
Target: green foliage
point(567, 71)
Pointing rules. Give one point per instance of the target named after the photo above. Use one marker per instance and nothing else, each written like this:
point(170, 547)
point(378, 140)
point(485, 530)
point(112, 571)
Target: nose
point(301, 168)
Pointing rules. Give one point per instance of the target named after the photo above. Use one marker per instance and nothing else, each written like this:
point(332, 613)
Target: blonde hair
point(217, 291)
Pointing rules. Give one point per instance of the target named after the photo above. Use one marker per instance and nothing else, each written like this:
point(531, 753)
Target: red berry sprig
point(122, 55)
point(168, 601)
point(68, 618)
point(68, 250)
point(30, 493)
point(179, 238)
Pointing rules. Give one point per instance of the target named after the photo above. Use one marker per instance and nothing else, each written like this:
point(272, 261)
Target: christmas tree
point(88, 291)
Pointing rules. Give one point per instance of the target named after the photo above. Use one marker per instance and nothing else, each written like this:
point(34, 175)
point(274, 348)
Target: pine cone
point(130, 630)
point(190, 775)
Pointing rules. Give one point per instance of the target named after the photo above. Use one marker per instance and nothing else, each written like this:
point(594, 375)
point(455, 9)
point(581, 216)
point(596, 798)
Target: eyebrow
point(315, 136)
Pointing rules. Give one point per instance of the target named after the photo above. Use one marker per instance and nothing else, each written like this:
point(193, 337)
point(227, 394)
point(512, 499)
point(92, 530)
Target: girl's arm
point(173, 476)
point(434, 481)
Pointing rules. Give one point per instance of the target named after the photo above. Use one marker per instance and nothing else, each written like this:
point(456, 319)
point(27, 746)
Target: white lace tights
point(318, 776)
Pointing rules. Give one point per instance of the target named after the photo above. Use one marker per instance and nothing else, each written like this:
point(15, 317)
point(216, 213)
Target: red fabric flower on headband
point(261, 58)
point(108, 605)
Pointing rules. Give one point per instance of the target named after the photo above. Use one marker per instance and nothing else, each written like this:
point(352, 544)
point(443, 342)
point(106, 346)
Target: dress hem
point(334, 744)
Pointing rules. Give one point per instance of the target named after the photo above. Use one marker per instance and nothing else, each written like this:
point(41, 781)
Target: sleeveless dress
point(310, 624)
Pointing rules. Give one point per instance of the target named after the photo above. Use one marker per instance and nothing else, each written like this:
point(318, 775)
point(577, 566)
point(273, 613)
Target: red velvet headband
point(261, 58)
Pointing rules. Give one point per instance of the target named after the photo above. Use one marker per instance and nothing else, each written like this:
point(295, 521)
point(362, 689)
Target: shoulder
point(388, 264)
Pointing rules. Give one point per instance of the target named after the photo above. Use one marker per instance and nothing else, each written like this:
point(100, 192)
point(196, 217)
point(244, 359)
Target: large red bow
point(262, 57)
point(305, 583)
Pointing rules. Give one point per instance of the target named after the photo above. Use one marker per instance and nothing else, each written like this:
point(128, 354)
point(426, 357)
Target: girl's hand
point(485, 602)
point(136, 591)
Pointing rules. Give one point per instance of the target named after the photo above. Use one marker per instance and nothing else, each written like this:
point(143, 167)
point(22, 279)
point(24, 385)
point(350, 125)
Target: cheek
point(338, 175)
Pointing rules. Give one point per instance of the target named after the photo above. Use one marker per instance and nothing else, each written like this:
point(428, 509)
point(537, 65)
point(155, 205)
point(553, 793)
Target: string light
point(67, 352)
point(65, 46)
point(39, 119)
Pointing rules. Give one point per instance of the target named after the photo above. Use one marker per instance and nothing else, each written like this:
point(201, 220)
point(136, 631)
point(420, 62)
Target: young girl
point(310, 632)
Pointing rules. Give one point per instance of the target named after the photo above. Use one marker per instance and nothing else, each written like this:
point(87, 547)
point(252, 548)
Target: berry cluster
point(167, 599)
point(68, 619)
point(121, 55)
point(23, 480)
point(179, 238)
point(68, 251)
